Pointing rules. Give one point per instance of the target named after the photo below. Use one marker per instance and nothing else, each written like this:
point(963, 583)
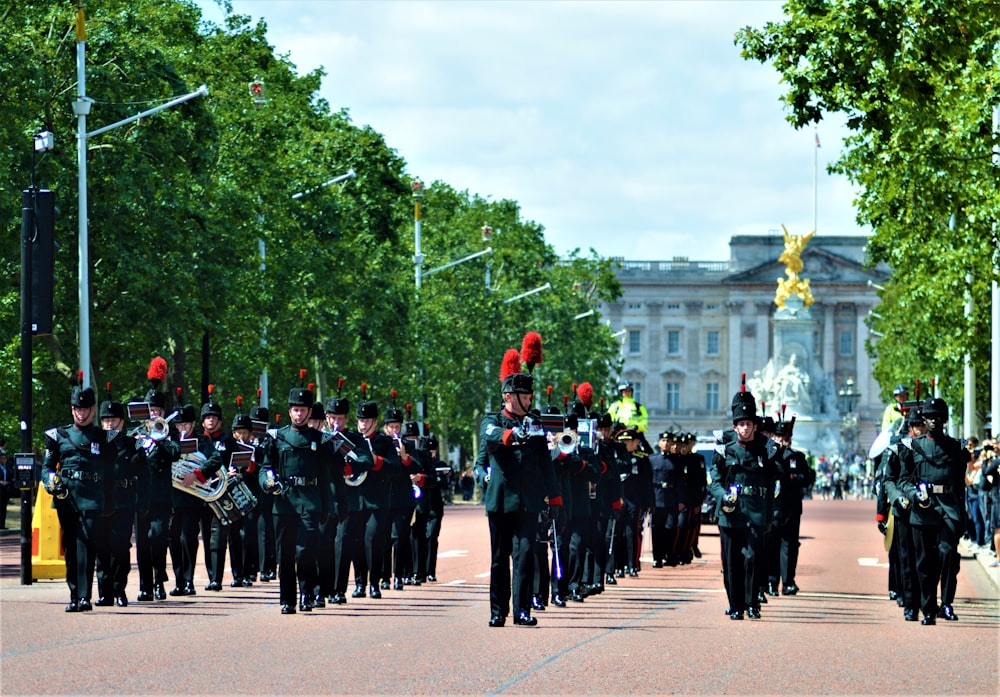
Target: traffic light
point(257, 92)
point(39, 217)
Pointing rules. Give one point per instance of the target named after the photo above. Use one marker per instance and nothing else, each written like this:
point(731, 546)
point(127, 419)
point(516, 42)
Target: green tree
point(916, 81)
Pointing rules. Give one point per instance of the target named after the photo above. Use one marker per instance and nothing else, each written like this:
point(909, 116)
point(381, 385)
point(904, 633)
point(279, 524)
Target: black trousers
point(433, 533)
point(152, 536)
point(631, 522)
point(372, 539)
point(741, 559)
point(906, 556)
point(84, 536)
point(216, 539)
point(184, 525)
point(114, 560)
point(266, 554)
point(398, 558)
point(662, 529)
point(345, 547)
point(788, 542)
point(243, 549)
point(326, 559)
point(511, 538)
point(419, 543)
point(298, 540)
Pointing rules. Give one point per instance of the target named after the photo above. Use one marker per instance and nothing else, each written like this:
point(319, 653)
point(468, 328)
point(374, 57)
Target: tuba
point(211, 490)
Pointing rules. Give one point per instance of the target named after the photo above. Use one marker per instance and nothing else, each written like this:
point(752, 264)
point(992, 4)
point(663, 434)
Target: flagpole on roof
point(815, 178)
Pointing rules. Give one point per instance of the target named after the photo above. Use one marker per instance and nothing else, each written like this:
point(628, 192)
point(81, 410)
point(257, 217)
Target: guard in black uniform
point(666, 479)
point(933, 479)
point(296, 473)
point(520, 477)
point(744, 471)
point(796, 476)
point(78, 471)
point(214, 530)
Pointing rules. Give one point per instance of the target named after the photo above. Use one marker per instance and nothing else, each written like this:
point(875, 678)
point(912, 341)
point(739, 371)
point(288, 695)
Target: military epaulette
point(907, 442)
point(52, 433)
point(326, 437)
point(112, 434)
point(272, 432)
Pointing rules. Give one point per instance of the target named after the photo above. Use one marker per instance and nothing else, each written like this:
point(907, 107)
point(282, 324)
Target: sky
point(632, 128)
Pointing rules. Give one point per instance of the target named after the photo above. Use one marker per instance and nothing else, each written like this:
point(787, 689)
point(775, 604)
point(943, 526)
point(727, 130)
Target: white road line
point(872, 561)
point(452, 553)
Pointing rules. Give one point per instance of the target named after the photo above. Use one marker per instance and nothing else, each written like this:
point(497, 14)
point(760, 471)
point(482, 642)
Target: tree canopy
point(199, 238)
point(917, 82)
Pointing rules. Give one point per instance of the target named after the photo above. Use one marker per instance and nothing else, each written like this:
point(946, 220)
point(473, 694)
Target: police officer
point(743, 474)
point(933, 479)
point(78, 470)
point(296, 473)
point(520, 478)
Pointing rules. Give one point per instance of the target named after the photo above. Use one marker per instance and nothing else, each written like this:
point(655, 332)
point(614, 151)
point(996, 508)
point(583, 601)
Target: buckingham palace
point(690, 329)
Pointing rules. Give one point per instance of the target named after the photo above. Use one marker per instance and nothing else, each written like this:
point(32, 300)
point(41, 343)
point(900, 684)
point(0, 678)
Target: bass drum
point(880, 443)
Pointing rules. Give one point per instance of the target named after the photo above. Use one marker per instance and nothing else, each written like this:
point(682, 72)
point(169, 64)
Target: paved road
point(664, 632)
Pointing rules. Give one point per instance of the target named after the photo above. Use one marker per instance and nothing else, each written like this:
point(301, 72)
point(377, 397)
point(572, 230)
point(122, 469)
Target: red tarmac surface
point(664, 632)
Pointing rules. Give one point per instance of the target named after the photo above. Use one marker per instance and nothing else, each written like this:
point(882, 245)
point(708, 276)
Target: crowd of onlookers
point(982, 498)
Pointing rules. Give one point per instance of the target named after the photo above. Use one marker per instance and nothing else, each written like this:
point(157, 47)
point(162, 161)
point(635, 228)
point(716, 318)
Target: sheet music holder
point(138, 411)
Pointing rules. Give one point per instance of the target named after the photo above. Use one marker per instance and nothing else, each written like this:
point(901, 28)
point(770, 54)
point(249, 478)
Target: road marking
point(872, 561)
point(486, 575)
point(452, 553)
point(457, 582)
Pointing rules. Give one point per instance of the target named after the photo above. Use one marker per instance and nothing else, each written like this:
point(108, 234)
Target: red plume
point(79, 378)
point(364, 390)
point(180, 391)
point(602, 404)
point(586, 394)
point(259, 393)
point(743, 382)
point(409, 411)
point(917, 390)
point(239, 403)
point(157, 372)
point(510, 364)
point(573, 388)
point(302, 377)
point(565, 400)
point(340, 385)
point(312, 386)
point(211, 389)
point(107, 388)
point(277, 419)
point(392, 393)
point(531, 349)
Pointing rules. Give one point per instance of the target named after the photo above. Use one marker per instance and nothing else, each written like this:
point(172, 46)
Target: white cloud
point(634, 128)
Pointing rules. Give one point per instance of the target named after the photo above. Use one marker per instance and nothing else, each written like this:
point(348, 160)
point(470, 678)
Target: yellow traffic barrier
point(47, 557)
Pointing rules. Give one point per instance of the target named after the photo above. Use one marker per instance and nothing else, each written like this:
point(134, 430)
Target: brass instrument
point(567, 442)
point(211, 490)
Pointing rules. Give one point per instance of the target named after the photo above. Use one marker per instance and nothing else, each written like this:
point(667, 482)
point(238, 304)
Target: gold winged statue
point(792, 257)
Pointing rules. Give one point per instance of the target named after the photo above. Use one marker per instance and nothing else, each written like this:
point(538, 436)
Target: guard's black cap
point(111, 410)
point(211, 408)
point(300, 397)
point(518, 383)
point(317, 413)
point(935, 406)
point(259, 413)
point(393, 415)
point(411, 429)
point(367, 410)
point(83, 397)
point(187, 414)
point(338, 405)
point(157, 399)
point(242, 421)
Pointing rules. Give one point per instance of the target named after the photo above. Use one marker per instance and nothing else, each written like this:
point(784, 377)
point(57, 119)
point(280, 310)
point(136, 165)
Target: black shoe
point(610, 580)
point(558, 600)
point(947, 613)
point(790, 589)
point(287, 609)
point(105, 601)
point(74, 606)
point(525, 620)
point(657, 564)
point(595, 590)
point(85, 605)
point(620, 573)
point(159, 592)
point(359, 592)
point(267, 576)
point(121, 600)
point(384, 586)
point(761, 598)
point(418, 580)
point(375, 592)
point(910, 615)
point(928, 619)
point(144, 597)
point(397, 585)
point(248, 582)
point(753, 613)
point(900, 602)
point(736, 615)
point(772, 589)
point(576, 596)
point(305, 603)
point(633, 573)
point(236, 583)
point(432, 578)
point(497, 620)
point(214, 586)
point(536, 603)
point(696, 552)
point(339, 599)
point(319, 601)
point(728, 611)
point(893, 595)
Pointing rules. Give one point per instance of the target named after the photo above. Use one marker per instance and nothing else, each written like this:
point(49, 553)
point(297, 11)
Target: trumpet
point(567, 442)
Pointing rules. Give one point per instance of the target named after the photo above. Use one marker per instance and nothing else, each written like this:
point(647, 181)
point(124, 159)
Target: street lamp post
point(81, 107)
point(418, 197)
point(849, 397)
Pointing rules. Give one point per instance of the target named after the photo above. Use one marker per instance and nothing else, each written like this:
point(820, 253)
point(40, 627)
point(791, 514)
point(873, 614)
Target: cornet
point(567, 442)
